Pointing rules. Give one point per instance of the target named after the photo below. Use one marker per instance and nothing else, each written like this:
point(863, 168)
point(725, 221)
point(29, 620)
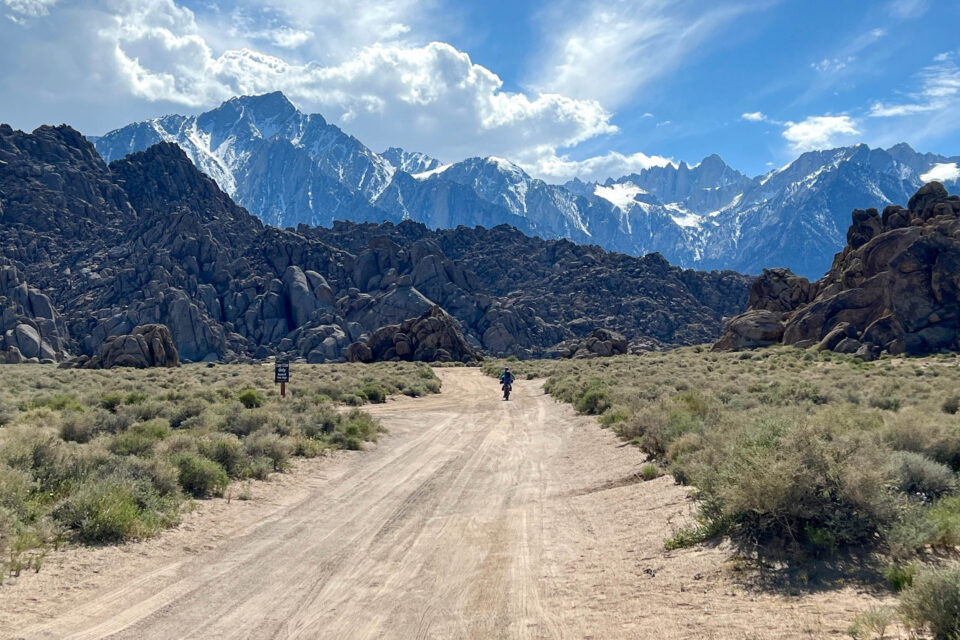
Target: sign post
point(281, 374)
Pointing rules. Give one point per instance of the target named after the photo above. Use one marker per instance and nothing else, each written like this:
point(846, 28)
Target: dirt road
point(475, 518)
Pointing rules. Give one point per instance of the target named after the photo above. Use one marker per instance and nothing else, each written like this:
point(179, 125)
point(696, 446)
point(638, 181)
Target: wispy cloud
point(940, 90)
point(606, 50)
point(754, 116)
point(907, 9)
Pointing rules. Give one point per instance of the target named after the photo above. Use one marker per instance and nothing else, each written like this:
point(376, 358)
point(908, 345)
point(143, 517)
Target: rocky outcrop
point(600, 343)
point(432, 337)
point(147, 346)
point(895, 288)
point(30, 329)
point(151, 240)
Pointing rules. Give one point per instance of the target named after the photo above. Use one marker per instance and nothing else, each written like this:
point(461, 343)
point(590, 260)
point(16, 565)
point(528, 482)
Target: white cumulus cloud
point(557, 169)
point(753, 116)
point(942, 172)
point(819, 132)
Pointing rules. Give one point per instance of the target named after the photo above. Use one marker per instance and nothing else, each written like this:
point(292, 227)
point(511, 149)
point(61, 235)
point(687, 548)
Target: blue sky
point(588, 87)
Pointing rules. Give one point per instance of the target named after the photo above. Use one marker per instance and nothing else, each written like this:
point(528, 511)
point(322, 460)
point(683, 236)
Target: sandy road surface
point(475, 518)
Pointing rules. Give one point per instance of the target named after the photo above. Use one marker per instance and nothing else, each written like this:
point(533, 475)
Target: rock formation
point(600, 343)
point(149, 345)
point(151, 240)
point(895, 288)
point(432, 337)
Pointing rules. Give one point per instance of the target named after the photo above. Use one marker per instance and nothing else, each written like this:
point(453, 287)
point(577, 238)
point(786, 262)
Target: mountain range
point(288, 168)
point(89, 251)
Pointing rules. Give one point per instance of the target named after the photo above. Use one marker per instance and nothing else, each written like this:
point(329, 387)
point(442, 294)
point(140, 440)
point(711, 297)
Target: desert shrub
point(932, 603)
point(57, 402)
point(15, 488)
point(322, 421)
point(360, 424)
point(649, 472)
point(250, 398)
point(242, 423)
point(271, 446)
point(352, 399)
point(886, 403)
point(186, 411)
point(933, 435)
point(77, 427)
point(900, 576)
point(951, 405)
point(139, 439)
point(104, 511)
point(199, 476)
point(136, 397)
point(226, 450)
point(107, 422)
point(919, 476)
point(110, 401)
point(593, 401)
point(614, 415)
point(374, 392)
point(872, 623)
point(942, 520)
point(344, 441)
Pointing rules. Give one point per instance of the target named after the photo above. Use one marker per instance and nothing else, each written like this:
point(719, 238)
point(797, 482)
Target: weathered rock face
point(30, 329)
point(433, 337)
point(147, 346)
point(894, 288)
point(150, 240)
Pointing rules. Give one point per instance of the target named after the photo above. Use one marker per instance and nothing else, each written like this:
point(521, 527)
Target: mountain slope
point(95, 250)
point(289, 168)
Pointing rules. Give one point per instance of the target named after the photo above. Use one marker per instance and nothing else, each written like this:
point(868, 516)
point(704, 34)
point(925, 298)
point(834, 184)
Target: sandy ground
point(473, 518)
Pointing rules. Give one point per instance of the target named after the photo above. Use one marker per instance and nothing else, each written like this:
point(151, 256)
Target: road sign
point(281, 372)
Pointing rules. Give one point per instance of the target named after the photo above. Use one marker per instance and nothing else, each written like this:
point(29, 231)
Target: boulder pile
point(895, 288)
point(147, 346)
point(600, 343)
point(432, 337)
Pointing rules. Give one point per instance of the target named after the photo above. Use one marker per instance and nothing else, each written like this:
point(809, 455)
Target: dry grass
point(108, 456)
point(801, 458)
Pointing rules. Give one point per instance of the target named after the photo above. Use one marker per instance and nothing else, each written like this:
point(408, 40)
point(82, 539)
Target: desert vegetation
point(109, 456)
point(802, 459)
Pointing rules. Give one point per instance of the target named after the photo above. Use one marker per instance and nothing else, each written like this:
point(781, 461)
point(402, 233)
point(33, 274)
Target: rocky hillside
point(895, 288)
point(287, 167)
point(93, 251)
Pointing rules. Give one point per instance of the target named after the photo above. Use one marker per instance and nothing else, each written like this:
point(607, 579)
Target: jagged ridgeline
point(288, 167)
point(92, 251)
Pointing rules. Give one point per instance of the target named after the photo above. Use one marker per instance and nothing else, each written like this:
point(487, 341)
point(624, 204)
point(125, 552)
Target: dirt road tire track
point(476, 518)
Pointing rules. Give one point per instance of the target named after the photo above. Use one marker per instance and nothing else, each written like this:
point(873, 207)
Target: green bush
point(77, 427)
point(951, 405)
point(140, 438)
point(185, 412)
point(594, 401)
point(900, 576)
point(374, 392)
point(103, 511)
point(226, 450)
point(201, 477)
point(250, 398)
point(242, 423)
point(110, 401)
point(271, 446)
point(932, 603)
point(919, 476)
point(649, 472)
